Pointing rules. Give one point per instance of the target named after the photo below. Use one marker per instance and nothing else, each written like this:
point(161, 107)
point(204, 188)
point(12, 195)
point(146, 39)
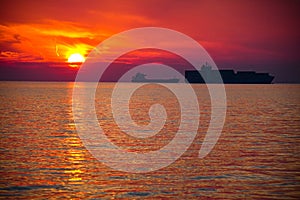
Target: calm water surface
point(256, 157)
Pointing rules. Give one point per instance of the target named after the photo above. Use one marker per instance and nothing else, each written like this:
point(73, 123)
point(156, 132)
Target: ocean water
point(256, 157)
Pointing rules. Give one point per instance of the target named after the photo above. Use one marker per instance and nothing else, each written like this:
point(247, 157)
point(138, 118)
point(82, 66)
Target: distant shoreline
point(71, 81)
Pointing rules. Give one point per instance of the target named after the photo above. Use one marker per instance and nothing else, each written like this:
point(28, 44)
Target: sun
point(76, 58)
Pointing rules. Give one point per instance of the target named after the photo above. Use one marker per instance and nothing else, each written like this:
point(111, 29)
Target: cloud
point(18, 56)
point(41, 40)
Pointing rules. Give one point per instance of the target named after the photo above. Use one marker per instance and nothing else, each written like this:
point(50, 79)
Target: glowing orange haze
point(259, 34)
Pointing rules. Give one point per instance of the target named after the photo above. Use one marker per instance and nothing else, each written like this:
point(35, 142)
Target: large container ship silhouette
point(228, 76)
point(139, 77)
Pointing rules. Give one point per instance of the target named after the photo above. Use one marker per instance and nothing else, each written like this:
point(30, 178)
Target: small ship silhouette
point(207, 75)
point(139, 77)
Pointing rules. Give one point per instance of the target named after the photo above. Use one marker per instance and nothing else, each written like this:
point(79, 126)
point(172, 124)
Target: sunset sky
point(38, 37)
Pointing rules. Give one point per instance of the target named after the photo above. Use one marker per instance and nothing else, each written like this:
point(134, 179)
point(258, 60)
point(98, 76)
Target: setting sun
point(76, 58)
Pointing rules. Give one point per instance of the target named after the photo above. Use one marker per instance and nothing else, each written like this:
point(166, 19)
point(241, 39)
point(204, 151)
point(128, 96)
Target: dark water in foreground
point(257, 155)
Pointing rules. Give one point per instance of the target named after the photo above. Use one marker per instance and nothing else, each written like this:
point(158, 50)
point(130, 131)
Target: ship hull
point(229, 77)
point(156, 81)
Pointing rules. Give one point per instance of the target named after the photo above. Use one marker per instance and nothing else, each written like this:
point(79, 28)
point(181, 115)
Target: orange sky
point(40, 35)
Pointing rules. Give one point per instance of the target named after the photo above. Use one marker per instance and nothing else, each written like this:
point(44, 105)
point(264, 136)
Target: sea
point(257, 155)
